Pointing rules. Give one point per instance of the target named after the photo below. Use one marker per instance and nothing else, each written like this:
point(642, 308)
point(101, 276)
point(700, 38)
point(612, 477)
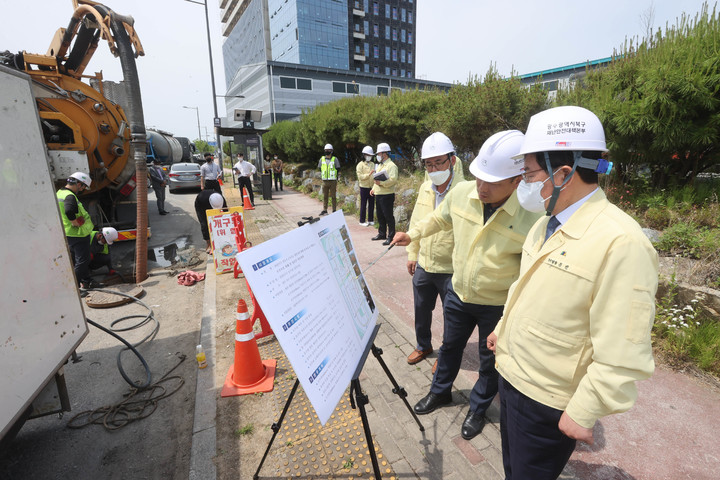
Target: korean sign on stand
point(227, 236)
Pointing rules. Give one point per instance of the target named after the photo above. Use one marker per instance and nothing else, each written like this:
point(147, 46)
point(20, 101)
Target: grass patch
point(246, 430)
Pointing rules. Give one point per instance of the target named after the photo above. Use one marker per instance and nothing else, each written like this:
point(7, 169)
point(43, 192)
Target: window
point(409, 17)
point(342, 87)
point(366, 68)
point(394, 34)
point(376, 69)
point(287, 82)
point(403, 15)
point(296, 83)
point(394, 55)
point(366, 26)
point(409, 57)
point(376, 9)
point(402, 35)
point(387, 11)
point(394, 13)
point(394, 72)
point(376, 30)
point(367, 49)
point(387, 32)
point(357, 27)
point(376, 51)
point(387, 70)
point(357, 49)
point(382, 91)
point(387, 53)
point(402, 72)
point(410, 35)
point(402, 55)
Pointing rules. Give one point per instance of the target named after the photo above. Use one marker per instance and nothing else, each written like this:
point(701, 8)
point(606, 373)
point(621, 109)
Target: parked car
point(184, 175)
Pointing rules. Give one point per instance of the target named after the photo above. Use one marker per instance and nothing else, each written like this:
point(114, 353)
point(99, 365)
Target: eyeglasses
point(525, 175)
point(436, 166)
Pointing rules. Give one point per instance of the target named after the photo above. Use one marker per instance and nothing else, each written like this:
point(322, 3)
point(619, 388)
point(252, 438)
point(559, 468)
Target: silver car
point(184, 175)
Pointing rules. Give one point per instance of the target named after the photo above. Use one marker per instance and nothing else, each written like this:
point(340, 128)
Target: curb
point(204, 446)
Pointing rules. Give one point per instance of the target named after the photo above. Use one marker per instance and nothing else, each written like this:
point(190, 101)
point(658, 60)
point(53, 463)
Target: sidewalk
point(669, 434)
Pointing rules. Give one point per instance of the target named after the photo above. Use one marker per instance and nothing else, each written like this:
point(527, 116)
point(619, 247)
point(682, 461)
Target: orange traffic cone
point(248, 374)
point(259, 315)
point(247, 205)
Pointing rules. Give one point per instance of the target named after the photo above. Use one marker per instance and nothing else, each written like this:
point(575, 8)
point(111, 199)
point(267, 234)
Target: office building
point(283, 56)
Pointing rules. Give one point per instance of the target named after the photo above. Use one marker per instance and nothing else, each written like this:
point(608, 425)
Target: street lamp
point(197, 112)
point(216, 120)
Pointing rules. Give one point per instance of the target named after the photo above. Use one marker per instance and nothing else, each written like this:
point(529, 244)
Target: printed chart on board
point(309, 284)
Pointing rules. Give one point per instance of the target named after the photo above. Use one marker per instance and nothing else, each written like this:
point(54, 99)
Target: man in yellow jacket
point(489, 228)
point(77, 225)
point(385, 178)
point(575, 335)
point(430, 259)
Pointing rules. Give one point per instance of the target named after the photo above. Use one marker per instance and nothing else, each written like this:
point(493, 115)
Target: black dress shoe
point(324, 212)
point(379, 237)
point(163, 213)
point(473, 424)
point(388, 241)
point(432, 401)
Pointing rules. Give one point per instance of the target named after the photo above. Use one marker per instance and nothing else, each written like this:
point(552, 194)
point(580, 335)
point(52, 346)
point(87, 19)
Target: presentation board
point(310, 286)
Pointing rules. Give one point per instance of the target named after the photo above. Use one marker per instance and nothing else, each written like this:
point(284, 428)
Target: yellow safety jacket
point(433, 253)
point(575, 334)
point(486, 256)
point(327, 168)
point(364, 174)
point(386, 187)
point(106, 249)
point(71, 230)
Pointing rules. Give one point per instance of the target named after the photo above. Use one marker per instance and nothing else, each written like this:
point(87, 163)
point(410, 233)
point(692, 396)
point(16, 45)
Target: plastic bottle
point(200, 356)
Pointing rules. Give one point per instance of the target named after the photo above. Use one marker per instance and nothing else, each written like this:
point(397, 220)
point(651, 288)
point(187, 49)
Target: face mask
point(368, 158)
point(439, 177)
point(529, 195)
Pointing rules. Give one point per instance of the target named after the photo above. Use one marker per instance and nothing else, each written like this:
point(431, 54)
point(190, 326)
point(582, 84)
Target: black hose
point(111, 331)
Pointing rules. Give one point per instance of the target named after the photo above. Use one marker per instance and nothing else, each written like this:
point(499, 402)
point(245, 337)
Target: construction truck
point(168, 149)
point(82, 128)
point(51, 125)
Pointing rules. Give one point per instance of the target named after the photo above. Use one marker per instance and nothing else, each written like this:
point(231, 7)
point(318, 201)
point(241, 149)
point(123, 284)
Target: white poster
point(309, 284)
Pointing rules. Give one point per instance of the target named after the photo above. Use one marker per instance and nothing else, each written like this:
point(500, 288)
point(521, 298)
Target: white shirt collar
point(565, 215)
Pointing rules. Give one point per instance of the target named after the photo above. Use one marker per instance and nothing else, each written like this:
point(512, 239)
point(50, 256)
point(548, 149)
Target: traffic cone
point(248, 374)
point(247, 205)
point(258, 314)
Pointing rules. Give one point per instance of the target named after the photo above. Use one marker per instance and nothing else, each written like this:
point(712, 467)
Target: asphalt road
point(155, 447)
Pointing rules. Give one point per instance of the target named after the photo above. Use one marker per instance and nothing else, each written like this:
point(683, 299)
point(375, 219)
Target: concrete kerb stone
point(204, 447)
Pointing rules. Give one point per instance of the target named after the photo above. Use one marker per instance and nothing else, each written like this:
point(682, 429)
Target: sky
point(456, 39)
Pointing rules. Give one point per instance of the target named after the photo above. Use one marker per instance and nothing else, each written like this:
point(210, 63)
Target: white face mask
point(438, 178)
point(530, 197)
point(368, 158)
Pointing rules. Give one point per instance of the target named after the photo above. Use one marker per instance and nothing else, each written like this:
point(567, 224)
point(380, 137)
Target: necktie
point(553, 223)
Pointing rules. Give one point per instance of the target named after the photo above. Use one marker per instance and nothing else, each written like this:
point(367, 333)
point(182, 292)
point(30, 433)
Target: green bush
point(681, 239)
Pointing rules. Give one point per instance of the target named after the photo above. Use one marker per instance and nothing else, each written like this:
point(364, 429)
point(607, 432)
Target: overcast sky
point(455, 39)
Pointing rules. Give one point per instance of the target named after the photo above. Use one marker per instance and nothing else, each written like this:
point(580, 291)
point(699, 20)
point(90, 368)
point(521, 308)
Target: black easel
point(360, 400)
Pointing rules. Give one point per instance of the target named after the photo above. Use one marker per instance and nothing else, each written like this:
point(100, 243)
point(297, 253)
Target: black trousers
point(367, 205)
point(80, 251)
point(245, 182)
point(426, 288)
point(213, 185)
point(532, 444)
point(277, 176)
point(386, 219)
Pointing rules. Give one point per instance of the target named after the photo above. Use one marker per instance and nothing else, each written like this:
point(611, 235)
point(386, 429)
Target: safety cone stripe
point(244, 337)
point(242, 315)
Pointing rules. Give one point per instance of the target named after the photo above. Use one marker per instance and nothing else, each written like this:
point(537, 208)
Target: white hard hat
point(498, 157)
point(328, 147)
point(110, 235)
point(367, 150)
point(82, 177)
point(383, 148)
point(436, 144)
point(216, 200)
point(564, 129)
